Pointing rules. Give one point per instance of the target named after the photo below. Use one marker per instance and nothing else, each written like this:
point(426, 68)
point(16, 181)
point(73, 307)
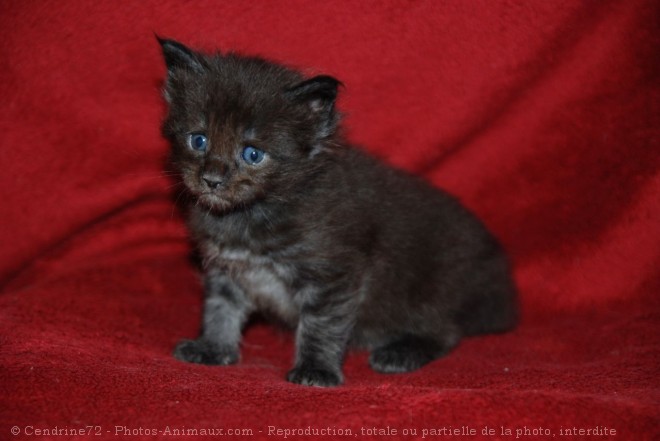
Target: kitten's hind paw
point(306, 375)
point(202, 352)
point(405, 355)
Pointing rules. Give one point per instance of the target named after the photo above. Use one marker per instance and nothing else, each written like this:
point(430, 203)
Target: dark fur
point(340, 246)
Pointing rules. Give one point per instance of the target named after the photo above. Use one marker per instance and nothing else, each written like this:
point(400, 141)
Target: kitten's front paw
point(200, 351)
point(314, 376)
point(404, 355)
point(388, 361)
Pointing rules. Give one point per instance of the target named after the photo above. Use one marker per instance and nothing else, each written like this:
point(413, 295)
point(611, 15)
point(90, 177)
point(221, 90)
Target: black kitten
point(290, 219)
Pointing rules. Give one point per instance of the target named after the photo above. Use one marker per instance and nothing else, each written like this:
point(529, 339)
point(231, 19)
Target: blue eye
point(252, 156)
point(197, 141)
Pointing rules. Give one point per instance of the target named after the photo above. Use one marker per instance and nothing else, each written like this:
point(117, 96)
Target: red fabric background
point(542, 116)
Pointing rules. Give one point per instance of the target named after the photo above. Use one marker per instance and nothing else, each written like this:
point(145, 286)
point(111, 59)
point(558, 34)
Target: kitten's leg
point(409, 352)
point(225, 312)
point(326, 322)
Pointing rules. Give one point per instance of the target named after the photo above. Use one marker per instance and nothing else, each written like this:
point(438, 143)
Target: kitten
point(291, 220)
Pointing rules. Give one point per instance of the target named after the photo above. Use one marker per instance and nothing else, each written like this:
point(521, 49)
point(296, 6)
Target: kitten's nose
point(213, 181)
point(214, 173)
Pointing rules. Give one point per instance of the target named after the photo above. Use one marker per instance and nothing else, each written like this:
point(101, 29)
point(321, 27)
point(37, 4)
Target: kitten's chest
point(264, 280)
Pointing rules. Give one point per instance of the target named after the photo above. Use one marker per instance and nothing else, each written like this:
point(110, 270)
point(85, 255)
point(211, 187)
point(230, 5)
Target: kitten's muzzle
point(213, 173)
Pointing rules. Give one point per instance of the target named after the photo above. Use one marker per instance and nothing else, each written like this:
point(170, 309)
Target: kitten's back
point(431, 260)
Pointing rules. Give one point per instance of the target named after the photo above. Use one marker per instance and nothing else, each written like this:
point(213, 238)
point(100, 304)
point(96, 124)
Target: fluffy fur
point(338, 245)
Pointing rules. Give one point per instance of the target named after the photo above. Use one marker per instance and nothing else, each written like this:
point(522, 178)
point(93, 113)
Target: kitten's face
point(242, 129)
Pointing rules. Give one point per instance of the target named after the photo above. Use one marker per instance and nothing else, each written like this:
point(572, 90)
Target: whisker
point(176, 184)
point(154, 173)
point(176, 201)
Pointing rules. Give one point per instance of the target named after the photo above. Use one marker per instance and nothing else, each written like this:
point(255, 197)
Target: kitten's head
point(243, 129)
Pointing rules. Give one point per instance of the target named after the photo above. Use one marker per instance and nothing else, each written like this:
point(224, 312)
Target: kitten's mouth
point(213, 201)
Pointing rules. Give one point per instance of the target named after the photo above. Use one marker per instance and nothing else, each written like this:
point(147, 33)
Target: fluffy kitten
point(291, 220)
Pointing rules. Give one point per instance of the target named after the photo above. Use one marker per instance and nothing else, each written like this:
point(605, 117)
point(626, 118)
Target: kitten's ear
point(318, 94)
point(178, 56)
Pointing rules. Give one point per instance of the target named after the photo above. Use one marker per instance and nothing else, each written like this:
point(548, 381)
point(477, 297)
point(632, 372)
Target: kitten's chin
point(214, 202)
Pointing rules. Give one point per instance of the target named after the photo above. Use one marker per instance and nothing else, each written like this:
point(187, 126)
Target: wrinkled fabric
point(542, 117)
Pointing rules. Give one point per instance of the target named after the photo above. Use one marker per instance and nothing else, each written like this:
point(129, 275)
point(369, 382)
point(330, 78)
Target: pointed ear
point(319, 94)
point(178, 56)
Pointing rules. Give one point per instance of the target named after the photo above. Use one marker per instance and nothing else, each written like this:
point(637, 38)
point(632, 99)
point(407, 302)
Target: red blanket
point(541, 116)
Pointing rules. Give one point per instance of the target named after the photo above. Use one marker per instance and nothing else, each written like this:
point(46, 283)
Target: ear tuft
point(178, 56)
point(318, 91)
point(319, 94)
